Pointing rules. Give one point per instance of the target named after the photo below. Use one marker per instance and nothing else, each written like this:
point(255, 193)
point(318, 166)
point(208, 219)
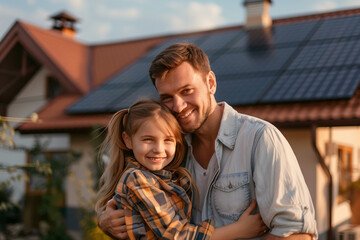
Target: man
point(234, 158)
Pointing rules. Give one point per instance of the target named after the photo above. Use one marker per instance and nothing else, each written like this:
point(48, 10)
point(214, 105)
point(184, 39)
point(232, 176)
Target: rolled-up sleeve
point(281, 192)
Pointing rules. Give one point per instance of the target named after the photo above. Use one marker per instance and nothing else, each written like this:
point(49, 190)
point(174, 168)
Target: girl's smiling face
point(153, 144)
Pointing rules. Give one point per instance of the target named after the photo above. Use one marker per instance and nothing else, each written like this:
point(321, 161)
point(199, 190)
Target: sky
point(107, 21)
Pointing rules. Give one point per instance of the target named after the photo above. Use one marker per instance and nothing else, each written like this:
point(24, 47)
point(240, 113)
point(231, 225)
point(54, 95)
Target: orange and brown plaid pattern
point(159, 208)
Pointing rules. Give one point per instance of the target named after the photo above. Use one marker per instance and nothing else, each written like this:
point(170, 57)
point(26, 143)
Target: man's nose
point(178, 104)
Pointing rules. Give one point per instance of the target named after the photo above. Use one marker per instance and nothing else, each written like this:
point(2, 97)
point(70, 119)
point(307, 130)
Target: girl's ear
point(127, 140)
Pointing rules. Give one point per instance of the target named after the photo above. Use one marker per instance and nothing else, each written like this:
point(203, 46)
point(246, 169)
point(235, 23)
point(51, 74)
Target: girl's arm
point(156, 209)
point(247, 226)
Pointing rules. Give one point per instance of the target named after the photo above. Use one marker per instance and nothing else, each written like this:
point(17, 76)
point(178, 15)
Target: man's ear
point(211, 82)
point(127, 140)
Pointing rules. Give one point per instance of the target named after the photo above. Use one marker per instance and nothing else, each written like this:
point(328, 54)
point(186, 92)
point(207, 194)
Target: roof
point(301, 61)
point(78, 67)
point(304, 114)
point(109, 59)
point(306, 73)
point(54, 120)
point(66, 58)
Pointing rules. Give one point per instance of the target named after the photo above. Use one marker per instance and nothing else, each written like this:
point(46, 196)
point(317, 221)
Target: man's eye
point(187, 91)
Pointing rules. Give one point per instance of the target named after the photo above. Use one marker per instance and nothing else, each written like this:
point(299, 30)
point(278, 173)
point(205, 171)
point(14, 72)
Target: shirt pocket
point(231, 195)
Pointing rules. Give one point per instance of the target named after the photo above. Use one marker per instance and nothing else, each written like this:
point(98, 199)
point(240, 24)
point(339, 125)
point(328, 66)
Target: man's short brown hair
point(176, 54)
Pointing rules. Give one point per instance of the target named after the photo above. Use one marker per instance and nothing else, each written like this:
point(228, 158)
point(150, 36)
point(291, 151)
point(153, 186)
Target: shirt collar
point(228, 126)
point(163, 174)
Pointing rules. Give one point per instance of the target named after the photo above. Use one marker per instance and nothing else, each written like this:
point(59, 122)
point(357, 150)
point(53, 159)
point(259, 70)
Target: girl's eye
point(170, 140)
point(147, 139)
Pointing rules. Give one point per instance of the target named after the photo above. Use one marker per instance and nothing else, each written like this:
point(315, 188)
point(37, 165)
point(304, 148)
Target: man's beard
point(207, 114)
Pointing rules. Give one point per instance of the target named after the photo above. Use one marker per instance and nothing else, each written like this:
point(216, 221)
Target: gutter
point(328, 174)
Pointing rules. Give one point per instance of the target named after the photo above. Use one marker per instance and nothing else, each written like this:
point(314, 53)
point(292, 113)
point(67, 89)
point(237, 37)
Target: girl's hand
point(252, 225)
point(247, 226)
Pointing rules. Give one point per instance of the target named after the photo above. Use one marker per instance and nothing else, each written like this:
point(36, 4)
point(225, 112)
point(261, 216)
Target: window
point(38, 181)
point(345, 171)
point(40, 185)
point(53, 87)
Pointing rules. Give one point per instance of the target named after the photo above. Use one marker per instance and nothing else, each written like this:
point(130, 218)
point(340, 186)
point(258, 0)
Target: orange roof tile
point(108, 59)
point(70, 56)
point(54, 119)
point(325, 113)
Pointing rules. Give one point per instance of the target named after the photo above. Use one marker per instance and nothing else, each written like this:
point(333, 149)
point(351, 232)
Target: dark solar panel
point(294, 67)
point(143, 91)
point(291, 34)
point(242, 90)
point(134, 73)
point(191, 39)
point(336, 53)
point(216, 41)
point(338, 28)
point(252, 62)
point(314, 85)
point(98, 100)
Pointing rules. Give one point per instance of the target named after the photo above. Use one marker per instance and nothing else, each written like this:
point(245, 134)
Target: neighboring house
point(302, 74)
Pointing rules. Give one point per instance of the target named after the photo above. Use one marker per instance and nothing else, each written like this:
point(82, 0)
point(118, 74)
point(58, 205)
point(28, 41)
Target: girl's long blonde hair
point(129, 121)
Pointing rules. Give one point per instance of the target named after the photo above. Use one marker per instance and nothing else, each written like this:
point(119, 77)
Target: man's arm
point(284, 200)
point(300, 236)
point(112, 221)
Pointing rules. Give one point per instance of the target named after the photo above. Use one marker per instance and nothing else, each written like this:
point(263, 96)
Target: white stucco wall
point(300, 141)
point(30, 99)
point(79, 186)
point(327, 142)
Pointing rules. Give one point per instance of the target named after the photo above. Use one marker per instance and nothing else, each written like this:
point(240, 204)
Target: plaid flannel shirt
point(159, 208)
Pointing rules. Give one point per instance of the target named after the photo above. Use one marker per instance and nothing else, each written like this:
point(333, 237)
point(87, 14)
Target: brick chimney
point(258, 24)
point(64, 23)
point(257, 14)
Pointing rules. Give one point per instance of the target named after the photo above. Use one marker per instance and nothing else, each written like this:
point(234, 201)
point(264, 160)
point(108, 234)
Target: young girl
point(146, 151)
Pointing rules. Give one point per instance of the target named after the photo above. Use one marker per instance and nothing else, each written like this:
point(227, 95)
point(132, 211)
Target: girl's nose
point(158, 147)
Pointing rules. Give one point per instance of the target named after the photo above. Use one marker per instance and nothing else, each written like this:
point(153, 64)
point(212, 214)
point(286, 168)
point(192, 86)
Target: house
point(300, 73)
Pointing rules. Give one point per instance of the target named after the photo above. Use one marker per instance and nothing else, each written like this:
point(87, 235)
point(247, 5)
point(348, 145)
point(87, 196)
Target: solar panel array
point(308, 61)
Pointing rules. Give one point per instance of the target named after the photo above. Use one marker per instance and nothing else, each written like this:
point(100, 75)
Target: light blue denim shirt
point(255, 161)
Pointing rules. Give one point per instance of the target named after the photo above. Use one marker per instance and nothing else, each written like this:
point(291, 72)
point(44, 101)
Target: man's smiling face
point(186, 92)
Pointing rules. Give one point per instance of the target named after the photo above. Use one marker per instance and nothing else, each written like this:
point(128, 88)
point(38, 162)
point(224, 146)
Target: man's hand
point(112, 221)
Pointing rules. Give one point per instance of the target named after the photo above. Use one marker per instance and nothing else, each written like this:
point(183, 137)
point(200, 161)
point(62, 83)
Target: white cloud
point(9, 15)
point(103, 29)
point(350, 3)
point(325, 6)
point(126, 13)
point(204, 15)
point(113, 13)
point(76, 5)
point(31, 2)
point(40, 14)
point(7, 18)
point(196, 16)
